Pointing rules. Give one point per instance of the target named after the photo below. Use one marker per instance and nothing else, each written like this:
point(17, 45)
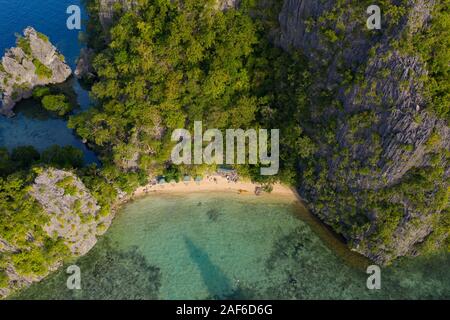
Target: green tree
point(63, 157)
point(56, 103)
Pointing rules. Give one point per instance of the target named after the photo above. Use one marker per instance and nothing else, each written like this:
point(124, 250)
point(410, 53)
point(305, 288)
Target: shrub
point(4, 280)
point(24, 156)
point(57, 103)
point(43, 37)
point(40, 92)
point(24, 44)
point(42, 71)
point(64, 157)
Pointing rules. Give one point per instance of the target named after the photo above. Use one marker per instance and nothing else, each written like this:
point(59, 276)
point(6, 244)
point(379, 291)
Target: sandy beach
point(212, 183)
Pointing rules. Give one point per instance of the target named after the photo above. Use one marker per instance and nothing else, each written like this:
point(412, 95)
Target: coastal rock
point(73, 216)
point(34, 62)
point(84, 69)
point(74, 213)
point(391, 91)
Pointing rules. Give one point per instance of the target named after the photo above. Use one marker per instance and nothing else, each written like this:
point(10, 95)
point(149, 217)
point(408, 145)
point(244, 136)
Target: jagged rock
point(74, 213)
point(74, 216)
point(84, 69)
point(18, 70)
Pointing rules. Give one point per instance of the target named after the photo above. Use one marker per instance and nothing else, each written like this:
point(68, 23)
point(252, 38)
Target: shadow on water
point(332, 240)
point(215, 280)
point(31, 109)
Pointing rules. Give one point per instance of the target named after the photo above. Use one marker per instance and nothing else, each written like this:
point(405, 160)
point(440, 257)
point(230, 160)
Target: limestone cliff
point(403, 136)
point(34, 62)
point(73, 217)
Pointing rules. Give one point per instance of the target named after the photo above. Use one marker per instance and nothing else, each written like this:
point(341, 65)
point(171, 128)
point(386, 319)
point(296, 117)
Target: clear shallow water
point(28, 127)
point(204, 246)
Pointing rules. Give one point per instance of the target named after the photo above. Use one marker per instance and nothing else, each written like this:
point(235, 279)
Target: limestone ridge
point(73, 217)
point(391, 90)
point(34, 62)
point(74, 213)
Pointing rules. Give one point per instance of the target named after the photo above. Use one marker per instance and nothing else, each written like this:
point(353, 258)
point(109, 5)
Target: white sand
point(212, 183)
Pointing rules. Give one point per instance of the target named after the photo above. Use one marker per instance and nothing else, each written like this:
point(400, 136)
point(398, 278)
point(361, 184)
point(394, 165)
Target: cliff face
point(74, 213)
point(73, 217)
point(34, 62)
point(402, 136)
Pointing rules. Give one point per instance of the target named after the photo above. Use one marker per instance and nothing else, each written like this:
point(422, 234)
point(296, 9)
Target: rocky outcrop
point(73, 217)
point(390, 90)
point(84, 69)
point(74, 213)
point(34, 62)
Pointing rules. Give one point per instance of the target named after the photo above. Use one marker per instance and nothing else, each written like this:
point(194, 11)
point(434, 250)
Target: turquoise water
point(228, 246)
point(29, 127)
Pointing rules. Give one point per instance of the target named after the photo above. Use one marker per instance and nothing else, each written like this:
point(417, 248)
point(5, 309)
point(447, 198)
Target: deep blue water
point(29, 127)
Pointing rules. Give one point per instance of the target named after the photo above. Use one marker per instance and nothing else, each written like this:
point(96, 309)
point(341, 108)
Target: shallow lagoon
point(210, 245)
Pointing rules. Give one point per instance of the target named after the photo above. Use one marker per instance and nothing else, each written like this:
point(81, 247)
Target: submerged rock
point(34, 62)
